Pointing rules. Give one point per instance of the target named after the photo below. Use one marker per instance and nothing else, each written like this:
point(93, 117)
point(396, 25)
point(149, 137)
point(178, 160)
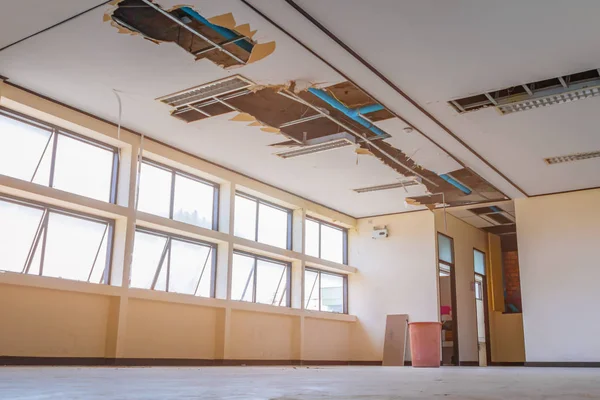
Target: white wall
point(396, 275)
point(559, 245)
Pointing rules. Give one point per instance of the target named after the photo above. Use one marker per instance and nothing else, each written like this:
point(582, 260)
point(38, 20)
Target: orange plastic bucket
point(425, 344)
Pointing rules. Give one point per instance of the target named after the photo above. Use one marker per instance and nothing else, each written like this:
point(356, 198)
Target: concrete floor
point(288, 383)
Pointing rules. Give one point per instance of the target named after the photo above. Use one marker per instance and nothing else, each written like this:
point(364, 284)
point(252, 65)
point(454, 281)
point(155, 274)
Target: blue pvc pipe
point(353, 114)
point(226, 33)
point(496, 209)
point(456, 183)
point(370, 109)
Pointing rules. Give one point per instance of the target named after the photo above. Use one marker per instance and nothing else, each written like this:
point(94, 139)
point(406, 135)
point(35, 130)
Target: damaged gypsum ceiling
point(218, 39)
point(297, 113)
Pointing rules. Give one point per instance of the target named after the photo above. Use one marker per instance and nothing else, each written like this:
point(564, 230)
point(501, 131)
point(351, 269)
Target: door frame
point(486, 311)
point(455, 346)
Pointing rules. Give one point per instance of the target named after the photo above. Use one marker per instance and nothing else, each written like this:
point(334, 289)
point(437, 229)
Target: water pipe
point(496, 209)
point(353, 114)
point(226, 33)
point(369, 109)
point(455, 183)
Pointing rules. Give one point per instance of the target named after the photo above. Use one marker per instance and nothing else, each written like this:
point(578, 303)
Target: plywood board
point(395, 339)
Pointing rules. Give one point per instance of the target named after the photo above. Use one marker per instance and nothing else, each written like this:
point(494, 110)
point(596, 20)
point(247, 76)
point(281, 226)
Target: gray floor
point(297, 383)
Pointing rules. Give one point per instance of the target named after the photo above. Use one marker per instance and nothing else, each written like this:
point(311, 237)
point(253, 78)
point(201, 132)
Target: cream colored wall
point(559, 240)
point(52, 323)
point(506, 332)
point(327, 340)
point(466, 238)
point(156, 329)
point(396, 275)
point(256, 336)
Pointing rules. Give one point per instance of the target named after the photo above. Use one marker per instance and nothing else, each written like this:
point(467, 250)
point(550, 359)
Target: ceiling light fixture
point(557, 90)
point(319, 145)
point(412, 181)
point(553, 97)
point(206, 91)
point(572, 157)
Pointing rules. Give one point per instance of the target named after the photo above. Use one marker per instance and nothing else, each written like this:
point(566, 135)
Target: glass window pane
point(245, 218)
point(312, 238)
point(146, 255)
point(479, 262)
point(193, 202)
point(71, 246)
point(445, 248)
point(311, 290)
point(161, 281)
point(42, 175)
point(155, 190)
point(271, 283)
point(18, 224)
point(242, 276)
point(22, 147)
point(83, 168)
point(332, 244)
point(332, 293)
point(272, 226)
point(189, 262)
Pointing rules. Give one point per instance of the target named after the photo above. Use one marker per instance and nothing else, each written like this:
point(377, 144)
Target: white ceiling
point(439, 51)
point(19, 19)
point(82, 61)
point(436, 51)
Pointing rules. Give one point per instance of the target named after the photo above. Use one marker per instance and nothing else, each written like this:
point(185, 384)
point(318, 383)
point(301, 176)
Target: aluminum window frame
point(176, 171)
point(167, 249)
point(42, 232)
point(55, 131)
point(288, 273)
point(258, 200)
point(344, 294)
point(333, 226)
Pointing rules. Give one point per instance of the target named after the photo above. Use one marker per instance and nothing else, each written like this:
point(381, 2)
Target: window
point(172, 264)
point(43, 240)
point(50, 156)
point(170, 193)
point(325, 291)
point(258, 220)
point(260, 280)
point(479, 262)
point(326, 241)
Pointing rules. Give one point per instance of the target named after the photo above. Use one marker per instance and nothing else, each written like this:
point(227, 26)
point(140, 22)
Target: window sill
point(290, 255)
point(59, 198)
point(46, 282)
point(178, 298)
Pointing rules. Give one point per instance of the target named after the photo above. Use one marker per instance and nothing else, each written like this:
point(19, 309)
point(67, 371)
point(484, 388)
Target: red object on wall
point(512, 280)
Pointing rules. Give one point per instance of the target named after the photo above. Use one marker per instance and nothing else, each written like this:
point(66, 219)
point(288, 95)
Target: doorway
point(447, 296)
point(481, 306)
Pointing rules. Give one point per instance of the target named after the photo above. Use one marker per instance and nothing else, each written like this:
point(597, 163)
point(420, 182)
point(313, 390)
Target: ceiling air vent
point(572, 157)
point(318, 145)
point(209, 90)
point(397, 185)
point(562, 89)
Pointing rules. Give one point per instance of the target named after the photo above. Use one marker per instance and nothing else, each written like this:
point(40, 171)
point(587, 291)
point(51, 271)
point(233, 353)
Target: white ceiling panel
point(21, 18)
